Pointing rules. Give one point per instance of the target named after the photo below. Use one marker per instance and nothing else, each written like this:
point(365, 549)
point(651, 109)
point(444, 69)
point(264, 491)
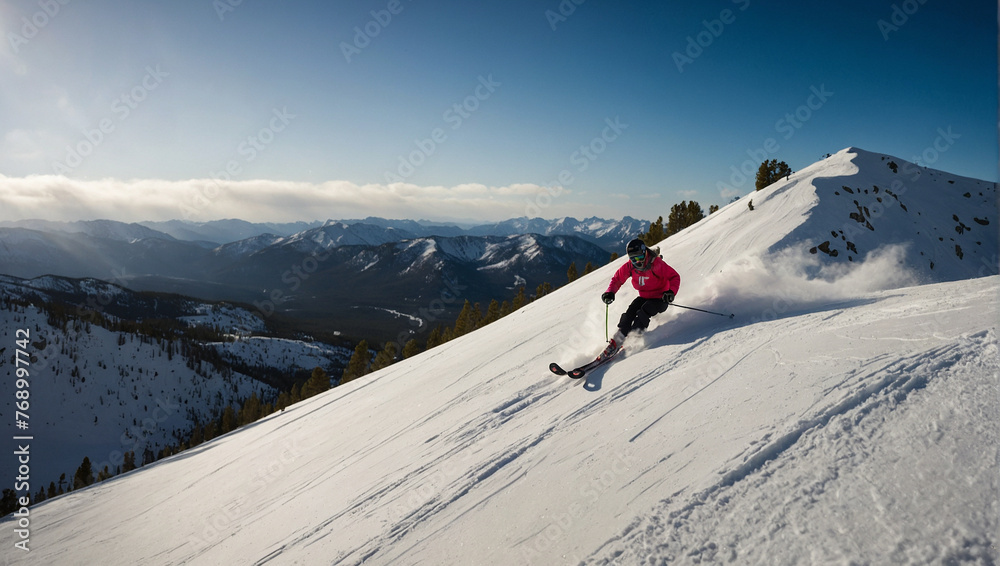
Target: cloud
point(55, 197)
point(728, 194)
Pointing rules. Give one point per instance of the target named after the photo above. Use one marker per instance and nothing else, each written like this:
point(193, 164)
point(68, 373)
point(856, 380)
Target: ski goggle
point(638, 260)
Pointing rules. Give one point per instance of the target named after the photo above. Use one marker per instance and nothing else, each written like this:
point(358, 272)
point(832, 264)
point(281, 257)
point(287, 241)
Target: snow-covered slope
point(843, 416)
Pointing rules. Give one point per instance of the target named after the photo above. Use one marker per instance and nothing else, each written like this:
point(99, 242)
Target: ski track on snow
point(675, 532)
point(458, 440)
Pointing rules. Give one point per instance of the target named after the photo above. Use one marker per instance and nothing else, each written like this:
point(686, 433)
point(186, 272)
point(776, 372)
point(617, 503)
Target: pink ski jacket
point(651, 283)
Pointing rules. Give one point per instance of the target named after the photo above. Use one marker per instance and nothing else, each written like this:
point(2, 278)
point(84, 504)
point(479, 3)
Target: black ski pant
point(637, 315)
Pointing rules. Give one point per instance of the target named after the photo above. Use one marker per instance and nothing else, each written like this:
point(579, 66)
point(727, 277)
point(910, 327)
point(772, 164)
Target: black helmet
point(638, 254)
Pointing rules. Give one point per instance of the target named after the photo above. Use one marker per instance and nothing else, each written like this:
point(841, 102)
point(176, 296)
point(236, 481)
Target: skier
point(656, 282)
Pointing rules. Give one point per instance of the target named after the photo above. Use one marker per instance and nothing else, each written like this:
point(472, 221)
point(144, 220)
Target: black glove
point(668, 297)
point(608, 298)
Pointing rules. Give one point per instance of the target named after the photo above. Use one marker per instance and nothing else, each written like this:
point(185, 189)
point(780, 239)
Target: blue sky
point(470, 110)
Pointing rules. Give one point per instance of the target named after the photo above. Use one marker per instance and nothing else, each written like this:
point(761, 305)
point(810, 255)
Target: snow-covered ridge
point(248, 246)
point(227, 318)
point(850, 205)
point(292, 355)
point(15, 286)
point(106, 229)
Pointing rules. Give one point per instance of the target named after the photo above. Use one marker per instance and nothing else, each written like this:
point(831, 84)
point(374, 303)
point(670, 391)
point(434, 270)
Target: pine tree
point(9, 502)
point(84, 474)
point(655, 234)
point(411, 348)
point(464, 324)
point(358, 365)
point(284, 400)
point(770, 172)
point(588, 269)
point(250, 411)
point(519, 301)
point(468, 320)
point(475, 317)
point(434, 339)
point(542, 290)
point(386, 357)
point(211, 429)
point(447, 335)
point(128, 464)
point(196, 435)
point(317, 383)
point(571, 273)
point(229, 421)
point(683, 215)
point(492, 314)
point(713, 208)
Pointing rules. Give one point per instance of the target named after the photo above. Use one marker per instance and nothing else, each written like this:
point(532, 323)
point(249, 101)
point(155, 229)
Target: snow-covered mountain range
point(609, 234)
point(847, 414)
point(310, 274)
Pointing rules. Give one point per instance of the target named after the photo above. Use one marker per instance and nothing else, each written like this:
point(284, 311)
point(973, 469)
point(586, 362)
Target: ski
point(582, 370)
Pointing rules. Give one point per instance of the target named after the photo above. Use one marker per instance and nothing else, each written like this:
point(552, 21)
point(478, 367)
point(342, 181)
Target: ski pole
point(702, 310)
point(606, 308)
